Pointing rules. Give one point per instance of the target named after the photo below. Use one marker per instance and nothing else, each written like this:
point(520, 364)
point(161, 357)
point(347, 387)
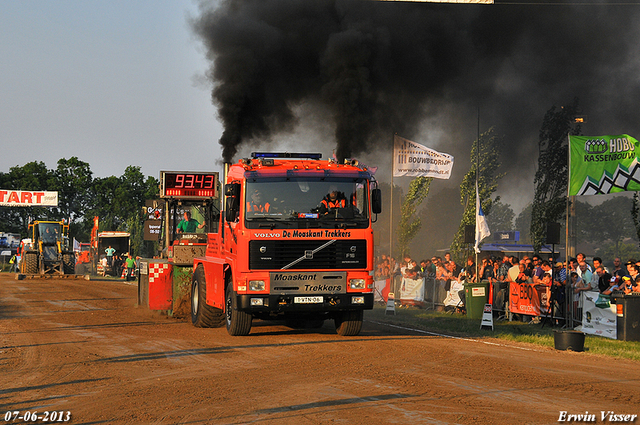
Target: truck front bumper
point(315, 303)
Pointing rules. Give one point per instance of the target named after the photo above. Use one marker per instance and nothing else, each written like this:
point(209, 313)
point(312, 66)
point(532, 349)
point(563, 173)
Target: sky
point(114, 83)
point(118, 83)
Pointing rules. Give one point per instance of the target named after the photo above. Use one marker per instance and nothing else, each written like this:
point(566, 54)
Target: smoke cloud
point(385, 67)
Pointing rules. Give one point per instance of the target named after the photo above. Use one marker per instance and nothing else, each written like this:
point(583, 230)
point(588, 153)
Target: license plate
point(308, 300)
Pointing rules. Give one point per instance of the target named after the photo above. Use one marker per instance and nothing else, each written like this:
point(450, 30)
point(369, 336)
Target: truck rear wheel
point(31, 265)
point(202, 314)
point(349, 323)
point(238, 322)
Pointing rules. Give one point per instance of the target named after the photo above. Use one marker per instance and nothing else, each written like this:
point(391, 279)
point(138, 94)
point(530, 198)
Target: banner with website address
point(412, 159)
point(603, 164)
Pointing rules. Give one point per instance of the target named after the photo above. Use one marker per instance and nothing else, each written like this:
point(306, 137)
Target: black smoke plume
point(385, 67)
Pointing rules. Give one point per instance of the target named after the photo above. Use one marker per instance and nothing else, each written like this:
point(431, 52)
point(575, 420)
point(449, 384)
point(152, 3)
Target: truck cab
point(295, 242)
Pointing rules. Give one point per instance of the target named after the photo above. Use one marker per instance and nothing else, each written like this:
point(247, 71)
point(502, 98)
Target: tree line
point(117, 201)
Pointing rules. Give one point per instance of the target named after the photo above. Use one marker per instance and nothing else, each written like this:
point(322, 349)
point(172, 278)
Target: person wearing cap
point(630, 262)
point(616, 284)
point(560, 273)
point(256, 203)
point(626, 285)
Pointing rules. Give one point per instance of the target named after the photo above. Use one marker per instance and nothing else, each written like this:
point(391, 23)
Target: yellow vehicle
point(49, 252)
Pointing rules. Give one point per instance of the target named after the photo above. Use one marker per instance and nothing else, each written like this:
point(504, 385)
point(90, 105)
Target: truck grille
point(298, 255)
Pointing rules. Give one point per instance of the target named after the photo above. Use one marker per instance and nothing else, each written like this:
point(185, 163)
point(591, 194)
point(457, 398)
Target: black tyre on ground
point(238, 322)
point(349, 323)
point(202, 314)
point(31, 265)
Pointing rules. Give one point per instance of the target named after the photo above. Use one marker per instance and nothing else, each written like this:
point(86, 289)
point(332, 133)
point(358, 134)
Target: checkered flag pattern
point(156, 270)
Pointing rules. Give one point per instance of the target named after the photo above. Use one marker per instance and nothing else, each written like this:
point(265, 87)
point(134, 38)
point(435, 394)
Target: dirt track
point(85, 347)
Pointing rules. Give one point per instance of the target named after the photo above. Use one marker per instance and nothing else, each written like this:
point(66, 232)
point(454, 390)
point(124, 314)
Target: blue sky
point(115, 83)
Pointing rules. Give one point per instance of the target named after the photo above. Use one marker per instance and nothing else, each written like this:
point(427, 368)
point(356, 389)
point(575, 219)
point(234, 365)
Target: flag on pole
point(415, 160)
point(603, 164)
point(482, 228)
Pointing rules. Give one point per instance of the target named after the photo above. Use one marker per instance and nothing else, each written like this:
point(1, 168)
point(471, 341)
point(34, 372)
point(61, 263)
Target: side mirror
point(231, 209)
point(376, 201)
point(232, 203)
point(232, 189)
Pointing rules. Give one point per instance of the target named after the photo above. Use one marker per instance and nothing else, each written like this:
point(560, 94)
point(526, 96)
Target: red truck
point(294, 241)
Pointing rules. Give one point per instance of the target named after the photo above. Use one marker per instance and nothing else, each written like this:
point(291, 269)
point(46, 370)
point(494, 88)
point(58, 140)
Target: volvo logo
point(353, 248)
point(263, 249)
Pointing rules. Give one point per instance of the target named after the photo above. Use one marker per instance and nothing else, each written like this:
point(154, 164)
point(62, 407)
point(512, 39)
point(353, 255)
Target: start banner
point(28, 198)
point(529, 298)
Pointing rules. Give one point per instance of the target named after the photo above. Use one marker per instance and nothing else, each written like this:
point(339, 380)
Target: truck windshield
point(326, 200)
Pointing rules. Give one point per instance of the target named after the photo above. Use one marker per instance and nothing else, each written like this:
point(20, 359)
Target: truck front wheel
point(349, 323)
point(202, 314)
point(238, 322)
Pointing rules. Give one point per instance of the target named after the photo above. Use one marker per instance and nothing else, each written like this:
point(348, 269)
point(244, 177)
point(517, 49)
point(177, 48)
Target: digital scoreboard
point(188, 185)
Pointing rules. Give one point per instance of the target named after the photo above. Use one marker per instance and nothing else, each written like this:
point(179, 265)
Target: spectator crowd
point(582, 275)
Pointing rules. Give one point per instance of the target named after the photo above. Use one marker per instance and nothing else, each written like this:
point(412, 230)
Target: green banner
point(603, 164)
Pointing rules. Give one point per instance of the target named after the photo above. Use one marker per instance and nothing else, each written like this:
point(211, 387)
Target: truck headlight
point(357, 300)
point(256, 285)
point(357, 283)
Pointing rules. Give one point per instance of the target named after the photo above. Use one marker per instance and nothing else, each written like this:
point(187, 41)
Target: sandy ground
point(86, 348)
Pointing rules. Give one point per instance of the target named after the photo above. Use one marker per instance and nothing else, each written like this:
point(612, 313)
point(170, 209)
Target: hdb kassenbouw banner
point(603, 164)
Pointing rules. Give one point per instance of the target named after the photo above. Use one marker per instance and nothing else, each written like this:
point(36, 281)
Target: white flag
point(482, 228)
point(415, 160)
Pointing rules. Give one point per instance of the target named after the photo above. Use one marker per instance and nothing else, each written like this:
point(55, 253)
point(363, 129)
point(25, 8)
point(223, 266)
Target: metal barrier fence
point(561, 307)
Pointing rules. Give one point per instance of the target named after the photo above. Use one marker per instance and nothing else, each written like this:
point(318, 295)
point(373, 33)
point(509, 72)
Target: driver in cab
point(332, 201)
point(256, 204)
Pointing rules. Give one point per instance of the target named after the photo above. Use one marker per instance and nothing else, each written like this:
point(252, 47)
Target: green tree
point(549, 202)
point(501, 217)
point(635, 214)
point(410, 223)
point(488, 177)
point(385, 220)
point(31, 176)
point(523, 224)
point(440, 217)
point(115, 200)
point(610, 222)
point(72, 179)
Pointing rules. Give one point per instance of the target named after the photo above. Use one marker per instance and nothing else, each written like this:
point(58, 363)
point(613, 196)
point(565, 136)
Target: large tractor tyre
point(31, 263)
point(69, 263)
point(238, 322)
point(349, 323)
point(202, 314)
